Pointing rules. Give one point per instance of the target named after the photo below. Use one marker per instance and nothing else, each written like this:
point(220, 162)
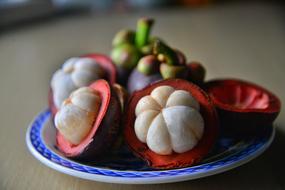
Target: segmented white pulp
point(169, 120)
point(75, 72)
point(77, 114)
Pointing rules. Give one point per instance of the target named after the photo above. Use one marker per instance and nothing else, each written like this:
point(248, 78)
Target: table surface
point(231, 40)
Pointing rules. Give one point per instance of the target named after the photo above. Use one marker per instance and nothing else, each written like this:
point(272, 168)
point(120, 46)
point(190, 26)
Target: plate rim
point(135, 180)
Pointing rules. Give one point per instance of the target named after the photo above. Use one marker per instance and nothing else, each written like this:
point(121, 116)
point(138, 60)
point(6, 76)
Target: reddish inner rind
point(103, 88)
point(107, 64)
point(174, 160)
point(241, 96)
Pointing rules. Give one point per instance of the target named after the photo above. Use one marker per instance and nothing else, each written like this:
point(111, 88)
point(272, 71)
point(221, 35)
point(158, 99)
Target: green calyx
point(148, 65)
point(124, 36)
point(129, 46)
point(165, 53)
point(143, 32)
point(125, 55)
point(148, 48)
point(172, 71)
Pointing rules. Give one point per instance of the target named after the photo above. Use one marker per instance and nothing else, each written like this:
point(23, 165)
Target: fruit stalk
point(143, 31)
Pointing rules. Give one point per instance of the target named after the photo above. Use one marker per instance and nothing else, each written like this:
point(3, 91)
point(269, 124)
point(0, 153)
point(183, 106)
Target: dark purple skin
point(138, 80)
point(123, 75)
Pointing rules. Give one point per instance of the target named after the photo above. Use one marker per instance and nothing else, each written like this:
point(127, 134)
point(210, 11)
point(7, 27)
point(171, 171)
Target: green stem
point(143, 31)
point(169, 55)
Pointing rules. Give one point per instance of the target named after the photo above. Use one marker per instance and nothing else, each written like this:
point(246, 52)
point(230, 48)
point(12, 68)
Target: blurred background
point(15, 12)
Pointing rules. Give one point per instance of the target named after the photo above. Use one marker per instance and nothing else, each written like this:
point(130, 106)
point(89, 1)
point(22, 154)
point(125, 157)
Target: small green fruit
point(148, 65)
point(124, 36)
point(125, 56)
point(172, 71)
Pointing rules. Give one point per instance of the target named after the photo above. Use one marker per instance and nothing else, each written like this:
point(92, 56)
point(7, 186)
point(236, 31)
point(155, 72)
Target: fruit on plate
point(129, 46)
point(197, 72)
point(170, 124)
point(244, 108)
point(78, 72)
point(164, 63)
point(88, 121)
point(146, 72)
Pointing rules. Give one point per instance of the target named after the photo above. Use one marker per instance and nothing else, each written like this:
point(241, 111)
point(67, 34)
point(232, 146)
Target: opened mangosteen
point(78, 72)
point(88, 122)
point(244, 108)
point(171, 124)
point(164, 63)
point(129, 46)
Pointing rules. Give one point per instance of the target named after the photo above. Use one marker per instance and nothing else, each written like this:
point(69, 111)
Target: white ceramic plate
point(121, 166)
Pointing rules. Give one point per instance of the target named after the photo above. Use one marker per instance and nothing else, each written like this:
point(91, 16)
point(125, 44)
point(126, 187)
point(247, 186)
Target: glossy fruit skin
point(174, 160)
point(123, 75)
point(138, 80)
point(105, 130)
point(105, 62)
point(125, 57)
point(122, 94)
point(242, 122)
point(196, 73)
point(193, 72)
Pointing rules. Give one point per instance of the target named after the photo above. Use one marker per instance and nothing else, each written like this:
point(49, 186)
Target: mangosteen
point(78, 72)
point(171, 124)
point(197, 72)
point(88, 122)
point(146, 72)
point(125, 56)
point(129, 46)
point(244, 108)
point(124, 37)
point(163, 63)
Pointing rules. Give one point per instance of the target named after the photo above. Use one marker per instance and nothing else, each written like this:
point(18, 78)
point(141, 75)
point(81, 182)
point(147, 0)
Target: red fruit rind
point(244, 108)
point(107, 64)
point(241, 96)
point(103, 88)
point(174, 160)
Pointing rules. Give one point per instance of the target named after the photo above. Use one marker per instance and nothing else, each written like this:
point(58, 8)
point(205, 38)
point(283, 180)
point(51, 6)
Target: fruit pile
point(147, 94)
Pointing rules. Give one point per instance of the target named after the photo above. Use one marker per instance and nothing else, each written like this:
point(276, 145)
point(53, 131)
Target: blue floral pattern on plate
point(228, 153)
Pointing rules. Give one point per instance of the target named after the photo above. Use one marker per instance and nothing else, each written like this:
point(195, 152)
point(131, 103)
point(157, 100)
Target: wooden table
point(244, 41)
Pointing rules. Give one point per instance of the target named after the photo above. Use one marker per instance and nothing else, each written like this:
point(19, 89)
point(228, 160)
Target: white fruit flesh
point(158, 139)
point(76, 72)
point(169, 120)
point(77, 115)
point(143, 122)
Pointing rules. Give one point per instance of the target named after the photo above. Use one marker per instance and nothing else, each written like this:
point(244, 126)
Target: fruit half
point(105, 62)
point(104, 131)
point(174, 160)
point(244, 108)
